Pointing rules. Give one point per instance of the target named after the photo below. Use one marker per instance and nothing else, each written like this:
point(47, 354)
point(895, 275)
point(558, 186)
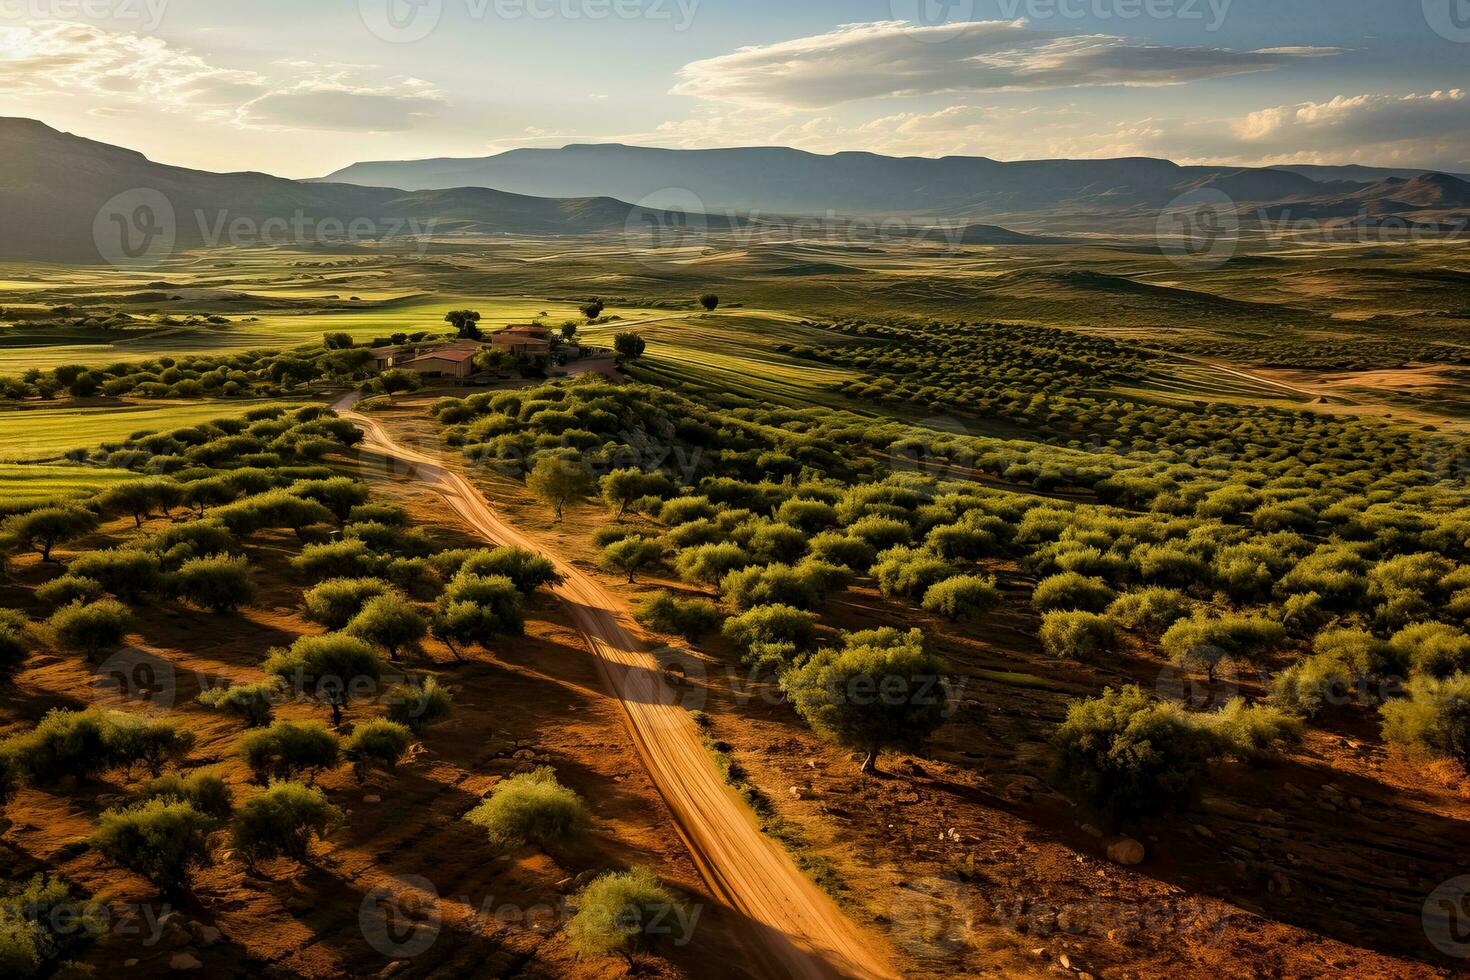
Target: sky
point(301, 88)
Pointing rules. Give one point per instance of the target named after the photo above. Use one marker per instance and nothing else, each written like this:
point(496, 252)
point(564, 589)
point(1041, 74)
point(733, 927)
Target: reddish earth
point(537, 700)
point(965, 862)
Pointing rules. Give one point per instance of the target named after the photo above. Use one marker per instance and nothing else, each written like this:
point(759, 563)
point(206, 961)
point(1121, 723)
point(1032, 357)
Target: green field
point(47, 433)
point(23, 485)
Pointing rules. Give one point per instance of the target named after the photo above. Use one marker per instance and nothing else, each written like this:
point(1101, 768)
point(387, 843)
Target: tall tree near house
point(465, 322)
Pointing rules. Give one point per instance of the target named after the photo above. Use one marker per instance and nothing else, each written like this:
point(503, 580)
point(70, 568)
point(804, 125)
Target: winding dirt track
point(797, 931)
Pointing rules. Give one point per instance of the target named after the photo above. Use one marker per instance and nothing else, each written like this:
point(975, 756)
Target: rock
point(1065, 961)
point(1039, 952)
point(372, 798)
point(585, 878)
point(1204, 831)
point(130, 963)
point(1091, 831)
point(185, 961)
point(207, 935)
point(1126, 851)
point(795, 792)
point(524, 754)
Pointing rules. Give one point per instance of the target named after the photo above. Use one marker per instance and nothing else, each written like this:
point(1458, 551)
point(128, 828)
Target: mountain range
point(786, 181)
point(65, 198)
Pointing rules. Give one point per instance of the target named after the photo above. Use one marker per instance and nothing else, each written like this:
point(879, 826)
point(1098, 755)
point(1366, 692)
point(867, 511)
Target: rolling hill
point(61, 194)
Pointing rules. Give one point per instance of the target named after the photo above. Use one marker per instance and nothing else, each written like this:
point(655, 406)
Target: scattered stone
point(372, 798)
point(1204, 831)
point(130, 963)
point(206, 935)
point(795, 792)
point(185, 961)
point(1126, 851)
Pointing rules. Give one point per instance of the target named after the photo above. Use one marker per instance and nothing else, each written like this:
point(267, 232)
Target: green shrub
point(162, 839)
point(772, 585)
point(1072, 591)
point(126, 573)
point(287, 749)
point(811, 516)
point(378, 743)
point(335, 602)
point(252, 702)
point(682, 510)
point(70, 588)
point(391, 622)
point(1126, 755)
point(910, 572)
point(220, 583)
point(15, 639)
point(962, 597)
point(772, 636)
point(881, 533)
point(623, 913)
point(772, 542)
point(841, 549)
point(91, 627)
point(1203, 641)
point(1152, 610)
point(476, 610)
point(205, 791)
point(527, 570)
point(43, 924)
point(532, 808)
point(881, 690)
point(390, 539)
point(338, 559)
point(1251, 731)
point(1314, 683)
point(283, 820)
point(329, 668)
point(630, 556)
point(65, 744)
point(419, 704)
point(133, 740)
point(1431, 649)
point(692, 619)
point(1078, 635)
point(1434, 720)
point(710, 564)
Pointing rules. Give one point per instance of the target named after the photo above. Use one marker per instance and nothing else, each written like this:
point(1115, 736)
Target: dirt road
point(797, 930)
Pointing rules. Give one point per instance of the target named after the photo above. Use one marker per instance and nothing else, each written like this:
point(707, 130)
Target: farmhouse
point(450, 362)
point(523, 340)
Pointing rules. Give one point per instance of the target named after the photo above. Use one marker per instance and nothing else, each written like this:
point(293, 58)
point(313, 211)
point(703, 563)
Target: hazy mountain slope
point(793, 181)
point(54, 186)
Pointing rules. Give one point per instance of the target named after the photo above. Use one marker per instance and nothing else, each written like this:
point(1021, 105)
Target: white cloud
point(892, 58)
point(119, 72)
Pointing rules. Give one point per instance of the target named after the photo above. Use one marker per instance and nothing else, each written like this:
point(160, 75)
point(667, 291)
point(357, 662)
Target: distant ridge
point(54, 186)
